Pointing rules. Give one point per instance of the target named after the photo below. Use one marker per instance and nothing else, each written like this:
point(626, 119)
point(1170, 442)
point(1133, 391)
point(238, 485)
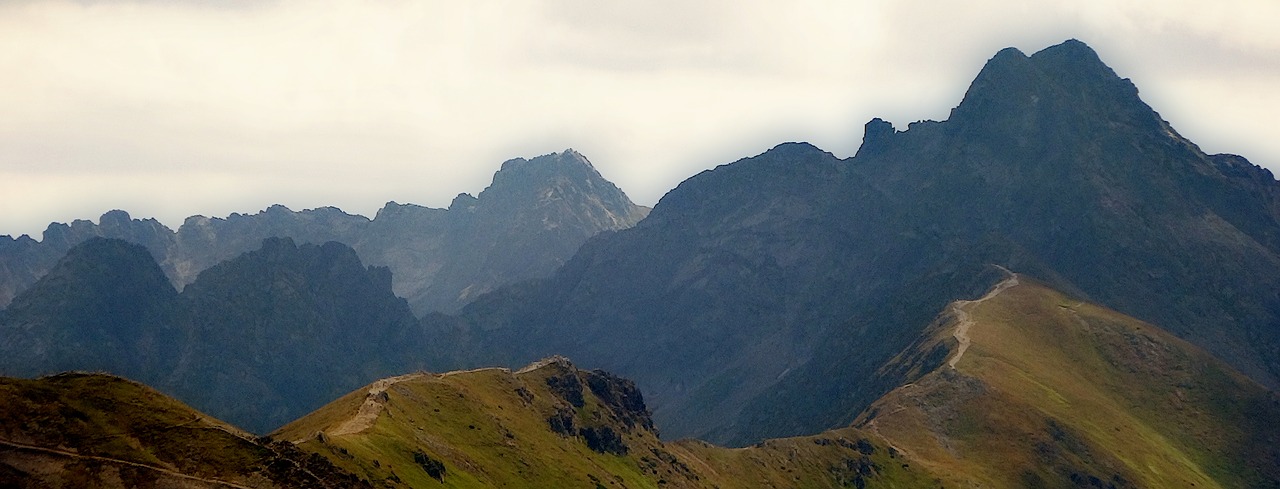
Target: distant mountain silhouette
point(532, 217)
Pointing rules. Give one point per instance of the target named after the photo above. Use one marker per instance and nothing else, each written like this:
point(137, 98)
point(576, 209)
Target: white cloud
point(169, 109)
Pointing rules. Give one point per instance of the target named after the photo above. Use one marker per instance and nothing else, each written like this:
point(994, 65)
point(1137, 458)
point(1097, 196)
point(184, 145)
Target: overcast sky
point(173, 108)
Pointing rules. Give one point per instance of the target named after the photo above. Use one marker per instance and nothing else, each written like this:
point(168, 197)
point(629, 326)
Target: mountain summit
point(564, 189)
point(1061, 84)
point(1059, 157)
point(534, 215)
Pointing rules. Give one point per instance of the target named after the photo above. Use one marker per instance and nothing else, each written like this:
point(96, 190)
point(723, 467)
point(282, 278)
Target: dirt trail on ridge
point(964, 321)
point(372, 406)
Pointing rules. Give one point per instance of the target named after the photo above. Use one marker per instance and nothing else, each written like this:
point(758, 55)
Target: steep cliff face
point(281, 330)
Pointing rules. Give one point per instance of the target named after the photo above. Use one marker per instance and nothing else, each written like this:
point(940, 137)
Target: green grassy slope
point(1055, 392)
point(93, 430)
point(552, 425)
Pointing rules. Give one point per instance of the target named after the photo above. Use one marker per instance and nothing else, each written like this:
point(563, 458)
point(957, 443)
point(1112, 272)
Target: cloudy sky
point(173, 108)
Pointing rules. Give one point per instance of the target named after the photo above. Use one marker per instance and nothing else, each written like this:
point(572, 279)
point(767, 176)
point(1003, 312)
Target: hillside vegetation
point(92, 430)
point(553, 425)
point(1053, 391)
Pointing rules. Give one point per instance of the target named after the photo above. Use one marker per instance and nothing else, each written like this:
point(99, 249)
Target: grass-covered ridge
point(94, 430)
point(1053, 391)
point(553, 425)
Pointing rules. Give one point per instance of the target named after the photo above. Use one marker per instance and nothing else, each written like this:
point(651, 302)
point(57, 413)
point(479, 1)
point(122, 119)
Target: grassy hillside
point(1050, 391)
point(92, 430)
point(552, 425)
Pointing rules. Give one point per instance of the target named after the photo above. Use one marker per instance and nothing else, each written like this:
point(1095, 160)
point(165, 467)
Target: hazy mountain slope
point(726, 278)
point(796, 268)
point(1052, 166)
point(533, 216)
point(258, 340)
point(281, 330)
point(24, 260)
point(1051, 391)
point(552, 425)
point(203, 242)
point(1057, 154)
point(87, 430)
point(529, 221)
point(105, 306)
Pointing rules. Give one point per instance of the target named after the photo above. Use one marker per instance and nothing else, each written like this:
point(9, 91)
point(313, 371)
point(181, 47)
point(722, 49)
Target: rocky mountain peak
point(1067, 85)
point(115, 218)
point(875, 136)
point(463, 202)
point(557, 190)
point(519, 174)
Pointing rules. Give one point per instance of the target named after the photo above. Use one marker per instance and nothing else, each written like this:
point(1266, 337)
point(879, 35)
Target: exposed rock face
point(534, 215)
point(622, 397)
point(767, 297)
point(795, 268)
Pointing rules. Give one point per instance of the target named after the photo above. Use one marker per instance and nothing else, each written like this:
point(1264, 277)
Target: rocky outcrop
point(622, 397)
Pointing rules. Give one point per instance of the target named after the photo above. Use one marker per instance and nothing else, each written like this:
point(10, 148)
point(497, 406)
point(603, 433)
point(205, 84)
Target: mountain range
point(762, 298)
point(530, 219)
point(1051, 288)
point(257, 340)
